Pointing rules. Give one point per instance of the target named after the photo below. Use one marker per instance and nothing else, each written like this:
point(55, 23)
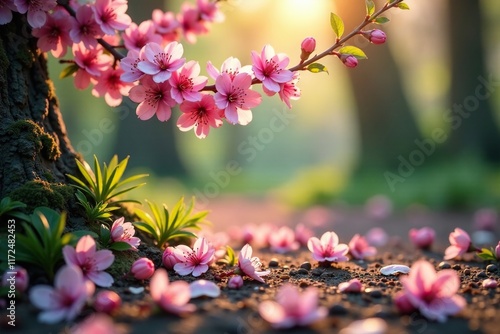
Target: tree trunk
point(35, 151)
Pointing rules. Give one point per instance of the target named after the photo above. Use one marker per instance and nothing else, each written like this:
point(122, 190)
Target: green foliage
point(487, 254)
point(370, 7)
point(403, 6)
point(230, 259)
point(68, 71)
point(353, 51)
point(337, 25)
point(98, 188)
point(381, 20)
point(12, 208)
point(317, 68)
point(38, 193)
point(164, 225)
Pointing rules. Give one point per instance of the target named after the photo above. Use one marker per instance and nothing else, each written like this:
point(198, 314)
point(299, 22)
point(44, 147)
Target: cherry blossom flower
point(231, 66)
point(111, 15)
point(107, 301)
point(153, 98)
point(124, 231)
point(250, 266)
point(136, 37)
point(270, 68)
point(111, 86)
point(283, 240)
point(193, 261)
point(353, 285)
point(403, 303)
point(191, 23)
point(379, 206)
point(292, 308)
point(84, 28)
point(186, 83)
point(161, 62)
point(303, 233)
point(377, 237)
point(422, 238)
point(485, 219)
point(328, 248)
point(97, 323)
point(17, 277)
point(236, 97)
point(218, 240)
point(129, 65)
point(209, 11)
point(359, 247)
point(6, 8)
point(199, 116)
point(172, 297)
point(235, 282)
point(166, 25)
point(54, 34)
point(91, 262)
point(433, 294)
point(91, 62)
point(168, 259)
point(142, 268)
point(36, 9)
point(289, 90)
point(460, 244)
point(66, 299)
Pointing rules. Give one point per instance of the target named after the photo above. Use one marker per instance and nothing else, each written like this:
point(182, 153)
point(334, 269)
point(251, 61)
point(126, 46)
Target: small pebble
point(285, 276)
point(444, 265)
point(337, 309)
point(303, 284)
point(491, 268)
point(467, 272)
point(306, 265)
point(481, 274)
point(293, 273)
point(317, 272)
point(274, 262)
point(302, 271)
point(375, 293)
point(456, 267)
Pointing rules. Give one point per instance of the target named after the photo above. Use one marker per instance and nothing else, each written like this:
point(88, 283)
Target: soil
point(235, 311)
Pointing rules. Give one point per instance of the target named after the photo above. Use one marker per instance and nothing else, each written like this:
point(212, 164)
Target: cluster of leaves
point(12, 208)
point(97, 189)
point(164, 226)
point(488, 254)
point(230, 259)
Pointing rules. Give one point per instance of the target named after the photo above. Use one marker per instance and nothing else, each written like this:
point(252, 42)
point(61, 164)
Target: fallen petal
point(353, 285)
point(204, 288)
point(394, 269)
point(136, 290)
point(367, 326)
point(489, 283)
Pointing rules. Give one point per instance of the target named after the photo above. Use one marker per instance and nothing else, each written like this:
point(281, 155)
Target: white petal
point(394, 269)
point(204, 288)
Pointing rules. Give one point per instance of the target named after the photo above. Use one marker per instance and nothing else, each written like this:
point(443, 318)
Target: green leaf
point(381, 20)
point(353, 51)
point(120, 246)
point(403, 6)
point(370, 7)
point(317, 68)
point(337, 24)
point(105, 234)
point(68, 71)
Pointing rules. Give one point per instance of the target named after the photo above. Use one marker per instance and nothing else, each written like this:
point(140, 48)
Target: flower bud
point(349, 60)
point(422, 238)
point(169, 260)
point(307, 47)
point(18, 277)
point(107, 301)
point(235, 282)
point(497, 251)
point(143, 268)
point(375, 36)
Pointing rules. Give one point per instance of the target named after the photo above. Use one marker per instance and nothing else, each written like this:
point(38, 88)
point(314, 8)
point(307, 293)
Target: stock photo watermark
point(453, 117)
point(11, 267)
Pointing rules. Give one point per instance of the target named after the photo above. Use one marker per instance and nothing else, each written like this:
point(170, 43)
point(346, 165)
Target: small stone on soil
point(302, 271)
point(274, 262)
point(444, 265)
point(338, 309)
point(306, 265)
point(375, 293)
point(491, 268)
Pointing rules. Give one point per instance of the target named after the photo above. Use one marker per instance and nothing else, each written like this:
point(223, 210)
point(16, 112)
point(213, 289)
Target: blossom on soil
point(422, 238)
point(235, 282)
point(124, 232)
point(360, 248)
point(460, 243)
point(6, 9)
point(270, 68)
point(162, 62)
point(328, 248)
point(173, 297)
point(91, 62)
point(303, 234)
point(353, 285)
point(142, 268)
point(91, 262)
point(250, 266)
point(135, 37)
point(433, 294)
point(194, 261)
point(186, 82)
point(111, 15)
point(377, 237)
point(293, 308)
point(18, 277)
point(54, 35)
point(153, 98)
point(66, 299)
point(283, 240)
point(168, 259)
point(111, 86)
point(84, 27)
point(107, 301)
point(37, 10)
point(379, 206)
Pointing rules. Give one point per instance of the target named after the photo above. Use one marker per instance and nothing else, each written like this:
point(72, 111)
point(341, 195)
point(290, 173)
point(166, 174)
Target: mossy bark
point(34, 146)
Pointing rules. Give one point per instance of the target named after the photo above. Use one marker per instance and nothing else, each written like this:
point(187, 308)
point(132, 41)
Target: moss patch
point(42, 193)
point(122, 264)
point(35, 134)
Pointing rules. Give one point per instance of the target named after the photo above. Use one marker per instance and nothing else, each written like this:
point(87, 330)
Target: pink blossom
point(349, 60)
point(433, 294)
point(485, 219)
point(218, 240)
point(250, 266)
point(289, 90)
point(66, 299)
point(353, 285)
point(85, 28)
point(191, 23)
point(235, 282)
point(303, 234)
point(153, 98)
point(328, 248)
point(124, 232)
point(366, 326)
point(6, 8)
point(168, 259)
point(422, 238)
point(186, 83)
point(193, 261)
point(172, 297)
point(403, 303)
point(209, 11)
point(231, 66)
point(54, 34)
point(359, 247)
point(162, 62)
point(111, 86)
point(236, 97)
point(497, 251)
point(91, 62)
point(379, 206)
point(308, 46)
point(293, 308)
point(270, 68)
point(91, 262)
point(17, 278)
point(460, 244)
point(107, 301)
point(129, 64)
point(96, 323)
point(199, 115)
point(36, 9)
point(111, 15)
point(166, 25)
point(142, 268)
point(283, 240)
point(377, 237)
point(136, 37)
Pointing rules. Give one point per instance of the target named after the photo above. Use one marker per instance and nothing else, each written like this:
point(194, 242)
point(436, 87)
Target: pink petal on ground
point(204, 288)
point(394, 269)
point(452, 252)
point(183, 268)
point(272, 312)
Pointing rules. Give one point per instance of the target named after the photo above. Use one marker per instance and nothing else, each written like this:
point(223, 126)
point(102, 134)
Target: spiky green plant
point(12, 208)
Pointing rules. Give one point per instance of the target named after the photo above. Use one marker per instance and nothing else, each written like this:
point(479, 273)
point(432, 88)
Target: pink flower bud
point(107, 301)
point(489, 283)
point(403, 303)
point(485, 219)
point(235, 282)
point(169, 260)
point(422, 238)
point(349, 60)
point(143, 268)
point(375, 36)
point(17, 278)
point(307, 47)
point(497, 251)
point(353, 285)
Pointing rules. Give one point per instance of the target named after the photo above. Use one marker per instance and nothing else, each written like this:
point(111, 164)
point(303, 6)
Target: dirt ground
point(235, 311)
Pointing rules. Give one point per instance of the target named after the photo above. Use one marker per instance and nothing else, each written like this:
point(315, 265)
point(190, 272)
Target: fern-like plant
point(164, 225)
